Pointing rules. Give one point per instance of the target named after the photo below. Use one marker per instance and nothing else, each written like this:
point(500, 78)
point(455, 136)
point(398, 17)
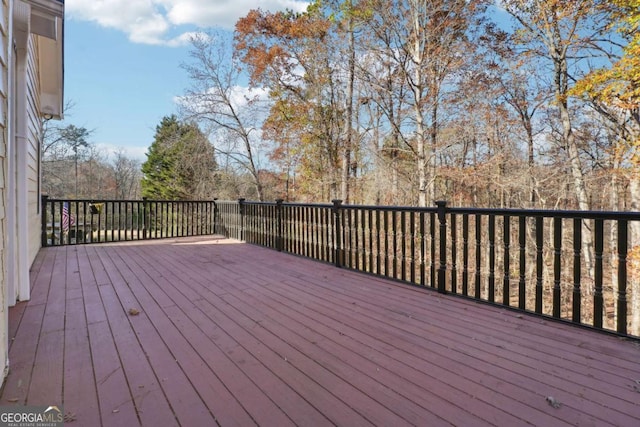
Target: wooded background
point(519, 104)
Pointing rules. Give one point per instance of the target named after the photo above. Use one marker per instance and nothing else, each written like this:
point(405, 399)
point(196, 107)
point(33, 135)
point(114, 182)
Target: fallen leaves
point(134, 311)
point(553, 402)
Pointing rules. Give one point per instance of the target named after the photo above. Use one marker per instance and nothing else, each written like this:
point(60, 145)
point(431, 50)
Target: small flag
point(67, 219)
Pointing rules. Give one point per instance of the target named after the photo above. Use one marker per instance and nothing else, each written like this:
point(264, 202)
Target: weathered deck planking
point(233, 334)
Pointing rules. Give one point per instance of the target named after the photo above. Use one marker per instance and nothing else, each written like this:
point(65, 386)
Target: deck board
point(233, 334)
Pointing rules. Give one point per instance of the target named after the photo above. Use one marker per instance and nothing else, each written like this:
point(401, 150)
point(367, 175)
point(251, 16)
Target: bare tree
point(428, 40)
point(562, 33)
point(217, 100)
point(127, 176)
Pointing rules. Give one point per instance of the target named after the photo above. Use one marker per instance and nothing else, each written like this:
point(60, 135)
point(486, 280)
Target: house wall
point(33, 129)
point(4, 137)
point(20, 127)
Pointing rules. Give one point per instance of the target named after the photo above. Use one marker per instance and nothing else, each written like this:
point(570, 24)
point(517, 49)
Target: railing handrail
point(85, 200)
point(515, 212)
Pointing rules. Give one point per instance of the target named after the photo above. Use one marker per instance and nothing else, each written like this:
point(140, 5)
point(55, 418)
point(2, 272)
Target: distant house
point(31, 89)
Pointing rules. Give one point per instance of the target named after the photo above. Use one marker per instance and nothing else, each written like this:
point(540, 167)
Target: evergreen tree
point(180, 163)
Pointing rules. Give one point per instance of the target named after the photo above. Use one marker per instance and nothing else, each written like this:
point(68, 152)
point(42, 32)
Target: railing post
point(215, 216)
point(279, 236)
point(241, 225)
point(442, 267)
point(43, 204)
point(337, 207)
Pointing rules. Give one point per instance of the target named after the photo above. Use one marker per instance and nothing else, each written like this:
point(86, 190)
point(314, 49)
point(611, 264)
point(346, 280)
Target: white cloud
point(241, 95)
point(153, 21)
point(222, 13)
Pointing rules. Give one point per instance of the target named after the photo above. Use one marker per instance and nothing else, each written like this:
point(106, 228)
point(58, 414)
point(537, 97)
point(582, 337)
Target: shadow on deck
point(234, 334)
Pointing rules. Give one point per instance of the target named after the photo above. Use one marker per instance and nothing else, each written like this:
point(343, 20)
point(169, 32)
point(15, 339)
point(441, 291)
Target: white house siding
point(33, 152)
point(21, 62)
point(4, 84)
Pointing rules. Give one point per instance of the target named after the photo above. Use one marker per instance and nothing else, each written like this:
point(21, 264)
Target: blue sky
point(122, 61)
point(123, 57)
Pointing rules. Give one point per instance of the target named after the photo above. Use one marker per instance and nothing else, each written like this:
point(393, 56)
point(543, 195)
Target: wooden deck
point(234, 334)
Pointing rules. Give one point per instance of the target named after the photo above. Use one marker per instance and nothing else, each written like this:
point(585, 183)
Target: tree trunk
point(433, 145)
point(569, 140)
point(579, 188)
point(530, 163)
point(421, 149)
point(348, 120)
point(613, 236)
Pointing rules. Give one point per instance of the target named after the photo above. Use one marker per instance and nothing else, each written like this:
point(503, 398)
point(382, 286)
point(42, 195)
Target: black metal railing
point(68, 222)
point(576, 266)
point(537, 261)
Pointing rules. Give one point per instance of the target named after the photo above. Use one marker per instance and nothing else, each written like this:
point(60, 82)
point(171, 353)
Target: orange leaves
point(266, 39)
point(618, 85)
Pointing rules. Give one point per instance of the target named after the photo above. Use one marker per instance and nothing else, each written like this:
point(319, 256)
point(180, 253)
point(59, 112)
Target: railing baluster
point(99, 225)
point(465, 254)
point(73, 210)
point(308, 232)
point(338, 226)
point(478, 275)
point(191, 226)
point(301, 231)
point(454, 254)
point(598, 303)
point(199, 218)
point(394, 255)
point(168, 223)
point(294, 230)
point(423, 250)
point(156, 220)
point(539, 262)
point(622, 277)
point(119, 210)
point(307, 225)
point(492, 258)
point(412, 230)
point(370, 229)
point(557, 264)
point(506, 281)
point(403, 248)
point(378, 235)
point(178, 221)
point(316, 232)
point(184, 215)
point(386, 242)
point(432, 260)
point(522, 242)
point(356, 233)
point(442, 258)
point(83, 218)
point(325, 227)
point(110, 210)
